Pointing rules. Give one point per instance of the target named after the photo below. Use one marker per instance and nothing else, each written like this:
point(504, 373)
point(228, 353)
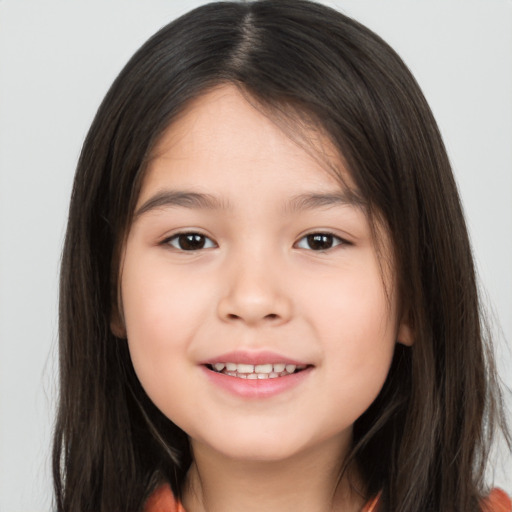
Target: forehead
point(224, 134)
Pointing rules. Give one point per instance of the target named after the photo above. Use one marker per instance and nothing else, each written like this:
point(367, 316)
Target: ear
point(117, 325)
point(405, 334)
point(117, 328)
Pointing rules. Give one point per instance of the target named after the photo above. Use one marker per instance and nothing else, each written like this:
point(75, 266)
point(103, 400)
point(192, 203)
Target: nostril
point(270, 316)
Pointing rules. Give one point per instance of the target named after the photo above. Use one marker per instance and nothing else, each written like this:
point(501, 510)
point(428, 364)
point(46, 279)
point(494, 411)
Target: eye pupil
point(320, 241)
point(191, 241)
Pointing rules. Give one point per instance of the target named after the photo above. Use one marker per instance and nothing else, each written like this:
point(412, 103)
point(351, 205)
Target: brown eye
point(190, 242)
point(319, 241)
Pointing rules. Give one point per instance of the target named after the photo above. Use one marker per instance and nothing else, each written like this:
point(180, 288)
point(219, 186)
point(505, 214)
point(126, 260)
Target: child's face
point(254, 287)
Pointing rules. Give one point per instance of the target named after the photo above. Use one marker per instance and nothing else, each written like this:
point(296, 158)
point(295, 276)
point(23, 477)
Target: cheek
point(352, 306)
point(158, 333)
point(161, 317)
point(357, 325)
point(364, 324)
point(161, 305)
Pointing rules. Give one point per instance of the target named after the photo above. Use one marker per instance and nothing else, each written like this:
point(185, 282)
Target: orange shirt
point(497, 501)
point(163, 500)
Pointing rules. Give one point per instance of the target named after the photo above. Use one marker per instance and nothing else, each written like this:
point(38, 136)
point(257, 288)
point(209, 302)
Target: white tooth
point(231, 374)
point(290, 368)
point(278, 368)
point(242, 376)
point(245, 368)
point(252, 376)
point(262, 375)
point(231, 367)
point(263, 368)
point(219, 366)
point(273, 375)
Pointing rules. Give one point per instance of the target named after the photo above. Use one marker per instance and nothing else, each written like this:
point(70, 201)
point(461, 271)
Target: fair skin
point(218, 268)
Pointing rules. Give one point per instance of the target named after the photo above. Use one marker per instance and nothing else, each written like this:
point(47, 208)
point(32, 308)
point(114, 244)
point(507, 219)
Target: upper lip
point(253, 357)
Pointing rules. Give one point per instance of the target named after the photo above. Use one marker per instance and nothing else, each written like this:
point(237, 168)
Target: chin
point(257, 448)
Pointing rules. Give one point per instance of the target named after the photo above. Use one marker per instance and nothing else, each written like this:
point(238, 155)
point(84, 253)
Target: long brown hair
point(424, 441)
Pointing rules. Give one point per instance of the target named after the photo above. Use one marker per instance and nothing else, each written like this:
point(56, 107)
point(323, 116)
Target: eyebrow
point(325, 200)
point(185, 199)
point(198, 200)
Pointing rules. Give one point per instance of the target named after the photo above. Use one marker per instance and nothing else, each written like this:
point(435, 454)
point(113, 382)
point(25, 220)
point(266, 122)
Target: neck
point(305, 482)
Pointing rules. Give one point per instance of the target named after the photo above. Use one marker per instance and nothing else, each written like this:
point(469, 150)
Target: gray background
point(57, 59)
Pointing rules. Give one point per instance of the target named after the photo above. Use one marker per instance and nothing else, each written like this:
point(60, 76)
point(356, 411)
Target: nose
point(254, 294)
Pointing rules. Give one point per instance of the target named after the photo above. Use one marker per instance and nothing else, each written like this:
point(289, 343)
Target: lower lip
point(257, 388)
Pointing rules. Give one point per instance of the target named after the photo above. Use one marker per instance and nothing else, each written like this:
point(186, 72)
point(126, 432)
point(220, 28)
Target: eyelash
point(181, 238)
point(208, 243)
point(310, 238)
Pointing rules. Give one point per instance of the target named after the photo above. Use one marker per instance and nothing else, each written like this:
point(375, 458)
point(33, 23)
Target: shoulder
point(497, 501)
point(372, 505)
point(163, 500)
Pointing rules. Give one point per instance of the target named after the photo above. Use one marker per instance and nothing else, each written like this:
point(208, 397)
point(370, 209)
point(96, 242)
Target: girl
point(268, 299)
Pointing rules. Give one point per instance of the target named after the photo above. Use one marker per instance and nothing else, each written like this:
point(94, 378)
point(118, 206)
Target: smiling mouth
point(258, 371)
